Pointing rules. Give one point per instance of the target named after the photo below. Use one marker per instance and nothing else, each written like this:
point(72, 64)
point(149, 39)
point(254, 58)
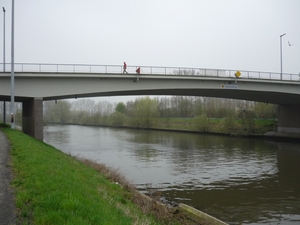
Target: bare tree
point(61, 111)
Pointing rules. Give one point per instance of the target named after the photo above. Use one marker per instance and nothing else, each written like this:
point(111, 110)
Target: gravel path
point(7, 205)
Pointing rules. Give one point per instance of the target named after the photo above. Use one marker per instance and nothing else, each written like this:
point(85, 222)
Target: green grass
point(54, 188)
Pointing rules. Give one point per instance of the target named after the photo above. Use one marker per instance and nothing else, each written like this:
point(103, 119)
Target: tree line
point(143, 111)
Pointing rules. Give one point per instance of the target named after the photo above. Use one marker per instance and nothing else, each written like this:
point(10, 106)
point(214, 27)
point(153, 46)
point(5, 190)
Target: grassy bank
point(202, 124)
point(230, 126)
point(54, 188)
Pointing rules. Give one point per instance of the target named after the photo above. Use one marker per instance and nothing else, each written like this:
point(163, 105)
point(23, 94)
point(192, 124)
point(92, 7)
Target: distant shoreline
point(270, 135)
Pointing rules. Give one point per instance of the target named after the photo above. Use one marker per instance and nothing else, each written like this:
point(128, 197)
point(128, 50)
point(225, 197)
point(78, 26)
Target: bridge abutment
point(32, 121)
point(289, 118)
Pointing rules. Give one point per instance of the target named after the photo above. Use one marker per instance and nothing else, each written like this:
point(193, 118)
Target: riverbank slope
point(54, 188)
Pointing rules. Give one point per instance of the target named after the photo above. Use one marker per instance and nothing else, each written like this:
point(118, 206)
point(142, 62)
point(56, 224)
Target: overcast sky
point(217, 34)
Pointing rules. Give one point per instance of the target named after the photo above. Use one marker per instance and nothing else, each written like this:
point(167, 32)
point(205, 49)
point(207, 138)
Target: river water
point(238, 180)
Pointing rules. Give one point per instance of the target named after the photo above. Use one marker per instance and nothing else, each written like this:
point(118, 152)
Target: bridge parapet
point(157, 70)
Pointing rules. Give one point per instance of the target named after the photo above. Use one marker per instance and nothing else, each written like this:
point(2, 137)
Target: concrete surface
point(199, 216)
point(7, 204)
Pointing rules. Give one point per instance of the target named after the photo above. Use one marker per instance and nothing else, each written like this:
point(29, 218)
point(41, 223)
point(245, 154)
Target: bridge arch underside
point(257, 96)
point(32, 90)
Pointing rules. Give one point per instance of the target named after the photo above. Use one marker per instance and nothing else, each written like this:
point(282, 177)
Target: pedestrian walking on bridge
point(125, 68)
point(138, 70)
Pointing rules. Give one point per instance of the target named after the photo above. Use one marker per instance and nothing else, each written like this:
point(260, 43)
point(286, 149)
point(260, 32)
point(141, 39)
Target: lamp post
point(281, 55)
point(3, 39)
point(4, 108)
point(12, 102)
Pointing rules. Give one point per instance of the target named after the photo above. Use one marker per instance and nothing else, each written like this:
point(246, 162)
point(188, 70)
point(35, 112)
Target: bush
point(248, 125)
point(229, 126)
point(202, 123)
point(117, 119)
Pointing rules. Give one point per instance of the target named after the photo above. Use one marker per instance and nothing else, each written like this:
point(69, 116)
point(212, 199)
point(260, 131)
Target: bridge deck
point(113, 69)
point(59, 81)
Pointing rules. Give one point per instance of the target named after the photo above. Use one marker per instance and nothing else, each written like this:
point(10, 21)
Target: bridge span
point(35, 83)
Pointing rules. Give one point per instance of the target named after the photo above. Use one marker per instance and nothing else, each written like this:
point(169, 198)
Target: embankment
point(55, 188)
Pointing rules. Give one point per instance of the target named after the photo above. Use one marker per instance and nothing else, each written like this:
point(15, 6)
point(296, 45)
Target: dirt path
point(7, 205)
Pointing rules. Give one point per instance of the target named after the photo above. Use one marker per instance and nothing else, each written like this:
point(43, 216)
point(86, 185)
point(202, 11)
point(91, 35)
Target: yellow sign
point(237, 74)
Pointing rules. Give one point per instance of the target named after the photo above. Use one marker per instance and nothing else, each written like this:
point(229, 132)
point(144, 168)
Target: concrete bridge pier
point(289, 118)
point(32, 121)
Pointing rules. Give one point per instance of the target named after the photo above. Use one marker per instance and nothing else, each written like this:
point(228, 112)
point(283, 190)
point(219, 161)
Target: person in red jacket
point(124, 68)
point(138, 70)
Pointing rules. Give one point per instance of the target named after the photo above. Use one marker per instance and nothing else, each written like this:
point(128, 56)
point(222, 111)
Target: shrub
point(202, 123)
point(117, 119)
point(229, 126)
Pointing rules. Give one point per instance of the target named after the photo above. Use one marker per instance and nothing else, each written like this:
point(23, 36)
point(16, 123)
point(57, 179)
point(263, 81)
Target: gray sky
point(217, 34)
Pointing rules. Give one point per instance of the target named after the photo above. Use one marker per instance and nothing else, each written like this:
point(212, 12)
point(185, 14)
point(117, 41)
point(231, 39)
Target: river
point(238, 180)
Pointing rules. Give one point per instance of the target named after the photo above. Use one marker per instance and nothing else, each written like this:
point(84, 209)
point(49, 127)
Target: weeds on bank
point(146, 204)
point(54, 188)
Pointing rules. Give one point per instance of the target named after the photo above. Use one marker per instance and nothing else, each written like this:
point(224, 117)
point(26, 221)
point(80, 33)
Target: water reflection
point(239, 180)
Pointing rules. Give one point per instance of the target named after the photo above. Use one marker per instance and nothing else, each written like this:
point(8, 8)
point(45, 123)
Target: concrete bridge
point(35, 83)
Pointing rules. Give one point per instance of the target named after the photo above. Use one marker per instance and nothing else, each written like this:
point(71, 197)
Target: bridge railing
point(155, 70)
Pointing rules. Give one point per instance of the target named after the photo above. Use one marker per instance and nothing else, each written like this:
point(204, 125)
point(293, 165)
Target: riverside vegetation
point(197, 114)
point(55, 188)
point(185, 113)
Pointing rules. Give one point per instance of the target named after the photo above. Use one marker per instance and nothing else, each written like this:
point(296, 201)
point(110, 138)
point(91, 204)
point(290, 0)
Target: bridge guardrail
point(106, 69)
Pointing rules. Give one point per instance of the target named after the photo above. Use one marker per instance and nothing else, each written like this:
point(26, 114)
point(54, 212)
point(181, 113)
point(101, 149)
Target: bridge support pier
point(289, 118)
point(32, 121)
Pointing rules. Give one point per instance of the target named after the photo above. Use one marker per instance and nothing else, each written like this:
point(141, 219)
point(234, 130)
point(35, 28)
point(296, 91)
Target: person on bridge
point(138, 70)
point(124, 68)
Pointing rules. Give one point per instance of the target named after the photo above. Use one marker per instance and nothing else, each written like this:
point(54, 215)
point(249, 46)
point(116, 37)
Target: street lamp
point(3, 39)
point(12, 102)
point(4, 110)
point(281, 55)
